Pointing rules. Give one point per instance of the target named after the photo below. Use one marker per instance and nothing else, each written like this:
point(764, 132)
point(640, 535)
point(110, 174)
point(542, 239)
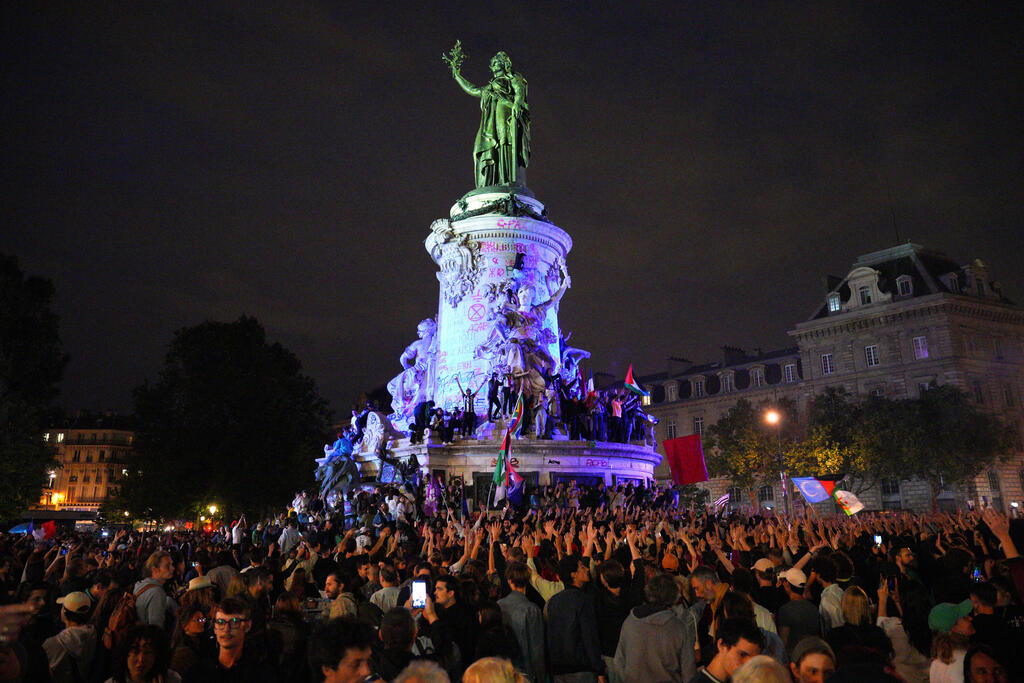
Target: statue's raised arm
point(501, 151)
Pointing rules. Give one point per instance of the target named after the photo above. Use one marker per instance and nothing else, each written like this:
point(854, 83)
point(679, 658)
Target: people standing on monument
point(493, 397)
point(508, 384)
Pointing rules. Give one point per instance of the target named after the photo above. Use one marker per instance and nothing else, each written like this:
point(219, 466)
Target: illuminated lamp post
point(773, 417)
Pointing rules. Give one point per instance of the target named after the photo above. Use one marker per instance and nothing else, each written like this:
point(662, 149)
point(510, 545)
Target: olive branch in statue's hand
point(455, 56)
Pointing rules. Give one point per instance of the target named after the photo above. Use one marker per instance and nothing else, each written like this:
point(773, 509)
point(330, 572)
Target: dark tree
point(231, 419)
point(31, 365)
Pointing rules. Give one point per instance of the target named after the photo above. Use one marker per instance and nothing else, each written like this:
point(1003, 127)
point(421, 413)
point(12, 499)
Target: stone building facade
point(90, 451)
point(902, 319)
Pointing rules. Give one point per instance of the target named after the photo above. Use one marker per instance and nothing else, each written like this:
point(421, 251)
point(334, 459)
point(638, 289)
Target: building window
point(77, 456)
point(827, 367)
point(904, 285)
point(110, 476)
point(865, 295)
point(765, 494)
point(645, 400)
point(871, 355)
point(979, 393)
point(834, 304)
point(1008, 396)
point(671, 392)
point(698, 425)
point(85, 478)
point(71, 493)
point(735, 495)
point(890, 487)
point(878, 392)
point(789, 372)
point(998, 343)
point(920, 348)
point(60, 437)
point(995, 490)
point(757, 377)
point(88, 457)
point(46, 437)
point(923, 387)
point(73, 478)
point(698, 388)
point(727, 383)
point(954, 283)
point(103, 456)
point(890, 495)
point(99, 476)
point(671, 429)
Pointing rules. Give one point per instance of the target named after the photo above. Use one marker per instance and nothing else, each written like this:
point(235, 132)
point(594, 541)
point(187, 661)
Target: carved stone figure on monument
point(379, 434)
point(415, 383)
point(518, 340)
point(458, 259)
point(571, 357)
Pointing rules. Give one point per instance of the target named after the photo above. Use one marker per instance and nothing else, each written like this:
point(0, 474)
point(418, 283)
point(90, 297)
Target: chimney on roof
point(733, 355)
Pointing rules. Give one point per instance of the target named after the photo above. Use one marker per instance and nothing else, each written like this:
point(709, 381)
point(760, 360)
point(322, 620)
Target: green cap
point(944, 616)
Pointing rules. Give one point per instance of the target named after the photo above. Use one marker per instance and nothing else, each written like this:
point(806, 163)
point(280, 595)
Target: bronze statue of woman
point(502, 148)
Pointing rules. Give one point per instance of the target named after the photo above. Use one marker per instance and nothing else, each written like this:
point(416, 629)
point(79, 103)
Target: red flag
point(49, 529)
point(686, 459)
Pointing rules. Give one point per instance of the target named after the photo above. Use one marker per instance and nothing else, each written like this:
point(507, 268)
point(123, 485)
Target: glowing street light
point(125, 513)
point(213, 509)
point(773, 417)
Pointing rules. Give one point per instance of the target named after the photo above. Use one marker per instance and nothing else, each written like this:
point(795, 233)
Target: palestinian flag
point(632, 385)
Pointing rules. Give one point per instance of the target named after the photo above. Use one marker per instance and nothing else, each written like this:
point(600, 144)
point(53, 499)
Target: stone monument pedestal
point(539, 461)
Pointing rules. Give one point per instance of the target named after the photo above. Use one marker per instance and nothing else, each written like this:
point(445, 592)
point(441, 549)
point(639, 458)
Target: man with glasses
point(231, 624)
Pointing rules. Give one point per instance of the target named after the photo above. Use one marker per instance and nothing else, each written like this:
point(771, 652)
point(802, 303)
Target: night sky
point(167, 163)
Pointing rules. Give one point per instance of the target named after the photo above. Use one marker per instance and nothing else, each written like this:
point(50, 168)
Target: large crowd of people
point(619, 585)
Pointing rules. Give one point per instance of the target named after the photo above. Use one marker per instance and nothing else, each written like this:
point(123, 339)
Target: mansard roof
point(927, 269)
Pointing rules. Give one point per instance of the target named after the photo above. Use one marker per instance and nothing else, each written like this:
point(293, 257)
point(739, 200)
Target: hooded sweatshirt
point(655, 647)
point(77, 642)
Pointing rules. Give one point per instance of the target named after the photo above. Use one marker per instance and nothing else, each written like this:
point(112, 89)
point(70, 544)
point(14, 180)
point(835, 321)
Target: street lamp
point(773, 417)
point(213, 509)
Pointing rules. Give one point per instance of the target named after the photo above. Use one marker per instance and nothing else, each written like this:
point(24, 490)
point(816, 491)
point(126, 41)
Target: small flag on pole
point(632, 385)
point(813, 489)
point(515, 425)
point(720, 502)
point(848, 502)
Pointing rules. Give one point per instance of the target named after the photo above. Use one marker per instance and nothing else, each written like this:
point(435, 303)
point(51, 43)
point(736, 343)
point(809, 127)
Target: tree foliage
point(940, 437)
point(745, 448)
point(231, 419)
point(945, 438)
point(31, 365)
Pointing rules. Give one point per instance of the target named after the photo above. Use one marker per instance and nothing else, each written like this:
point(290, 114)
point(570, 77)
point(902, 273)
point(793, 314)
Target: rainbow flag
point(632, 385)
point(515, 425)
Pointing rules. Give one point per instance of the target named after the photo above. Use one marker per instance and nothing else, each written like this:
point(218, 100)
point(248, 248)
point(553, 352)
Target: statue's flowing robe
point(495, 147)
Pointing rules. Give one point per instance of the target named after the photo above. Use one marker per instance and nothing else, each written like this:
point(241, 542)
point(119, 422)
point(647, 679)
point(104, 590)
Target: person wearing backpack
point(152, 604)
